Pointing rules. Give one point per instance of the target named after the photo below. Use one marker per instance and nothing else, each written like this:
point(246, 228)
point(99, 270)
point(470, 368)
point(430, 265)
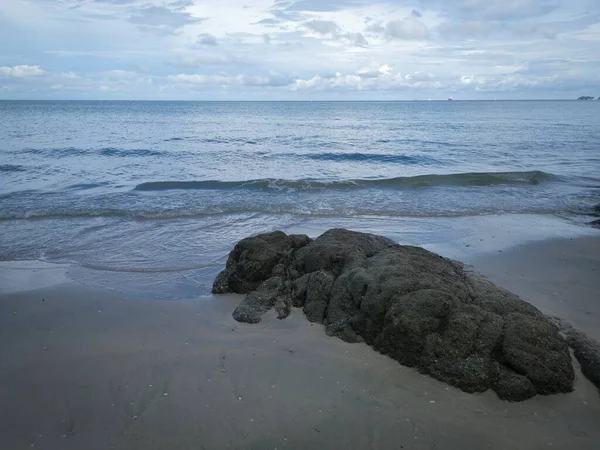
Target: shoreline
point(90, 368)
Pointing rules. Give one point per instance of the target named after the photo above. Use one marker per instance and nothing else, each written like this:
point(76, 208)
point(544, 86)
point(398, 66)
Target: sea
point(149, 197)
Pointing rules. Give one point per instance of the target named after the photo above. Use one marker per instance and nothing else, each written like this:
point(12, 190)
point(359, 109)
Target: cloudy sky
point(299, 49)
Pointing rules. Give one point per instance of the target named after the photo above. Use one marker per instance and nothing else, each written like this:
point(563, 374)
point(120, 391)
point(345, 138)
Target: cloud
point(374, 70)
point(373, 78)
point(268, 21)
point(117, 2)
point(355, 39)
point(287, 16)
point(213, 59)
point(162, 19)
point(376, 27)
point(271, 80)
point(493, 10)
point(324, 48)
point(468, 29)
point(322, 26)
point(408, 28)
point(320, 5)
point(207, 39)
point(21, 71)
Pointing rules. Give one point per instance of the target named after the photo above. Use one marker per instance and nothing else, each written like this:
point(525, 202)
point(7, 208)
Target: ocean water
point(154, 194)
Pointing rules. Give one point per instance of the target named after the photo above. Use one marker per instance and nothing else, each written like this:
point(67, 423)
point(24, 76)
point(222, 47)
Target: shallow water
point(165, 188)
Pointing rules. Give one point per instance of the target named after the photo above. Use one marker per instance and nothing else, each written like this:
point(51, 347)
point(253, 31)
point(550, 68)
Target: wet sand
point(82, 368)
point(561, 277)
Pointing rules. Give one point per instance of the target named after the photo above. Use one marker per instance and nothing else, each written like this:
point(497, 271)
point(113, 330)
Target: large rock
point(586, 350)
point(253, 260)
point(421, 309)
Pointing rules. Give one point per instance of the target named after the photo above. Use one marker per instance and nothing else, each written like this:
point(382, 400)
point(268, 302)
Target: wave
point(231, 140)
point(418, 141)
point(66, 152)
point(111, 151)
point(367, 157)
point(86, 186)
point(244, 210)
point(12, 168)
point(115, 213)
point(420, 181)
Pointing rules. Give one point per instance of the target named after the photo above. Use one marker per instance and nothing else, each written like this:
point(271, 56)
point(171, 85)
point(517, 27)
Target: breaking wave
point(420, 181)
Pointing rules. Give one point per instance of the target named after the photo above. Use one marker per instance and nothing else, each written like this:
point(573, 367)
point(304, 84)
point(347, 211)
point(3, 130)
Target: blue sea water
point(168, 187)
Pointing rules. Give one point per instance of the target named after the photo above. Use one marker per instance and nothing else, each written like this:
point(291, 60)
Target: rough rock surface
point(419, 308)
point(586, 350)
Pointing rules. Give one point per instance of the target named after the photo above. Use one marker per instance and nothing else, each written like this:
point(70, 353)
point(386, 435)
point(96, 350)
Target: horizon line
point(291, 101)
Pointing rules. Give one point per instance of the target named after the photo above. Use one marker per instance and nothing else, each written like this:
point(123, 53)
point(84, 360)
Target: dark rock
point(587, 352)
point(513, 387)
point(258, 302)
point(338, 249)
point(254, 259)
point(318, 292)
point(595, 223)
point(531, 348)
point(419, 308)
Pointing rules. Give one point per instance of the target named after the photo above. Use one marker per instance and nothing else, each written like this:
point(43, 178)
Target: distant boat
point(450, 99)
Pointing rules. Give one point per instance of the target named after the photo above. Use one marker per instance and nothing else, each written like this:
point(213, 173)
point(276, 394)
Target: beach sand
point(82, 368)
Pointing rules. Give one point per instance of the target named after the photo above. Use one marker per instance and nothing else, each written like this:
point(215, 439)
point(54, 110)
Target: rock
point(258, 302)
point(421, 309)
point(531, 348)
point(513, 387)
point(595, 223)
point(318, 292)
point(587, 352)
point(253, 260)
point(337, 250)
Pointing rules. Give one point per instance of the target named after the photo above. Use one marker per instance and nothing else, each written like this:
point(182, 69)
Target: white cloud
point(297, 48)
point(408, 28)
point(272, 80)
point(497, 10)
point(322, 26)
point(207, 39)
point(371, 78)
point(356, 39)
point(21, 71)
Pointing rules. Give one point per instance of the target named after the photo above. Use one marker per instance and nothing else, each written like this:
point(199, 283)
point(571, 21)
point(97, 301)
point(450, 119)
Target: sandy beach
point(82, 368)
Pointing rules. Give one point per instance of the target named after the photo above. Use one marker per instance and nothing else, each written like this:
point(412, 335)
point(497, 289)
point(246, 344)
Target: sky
point(299, 49)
